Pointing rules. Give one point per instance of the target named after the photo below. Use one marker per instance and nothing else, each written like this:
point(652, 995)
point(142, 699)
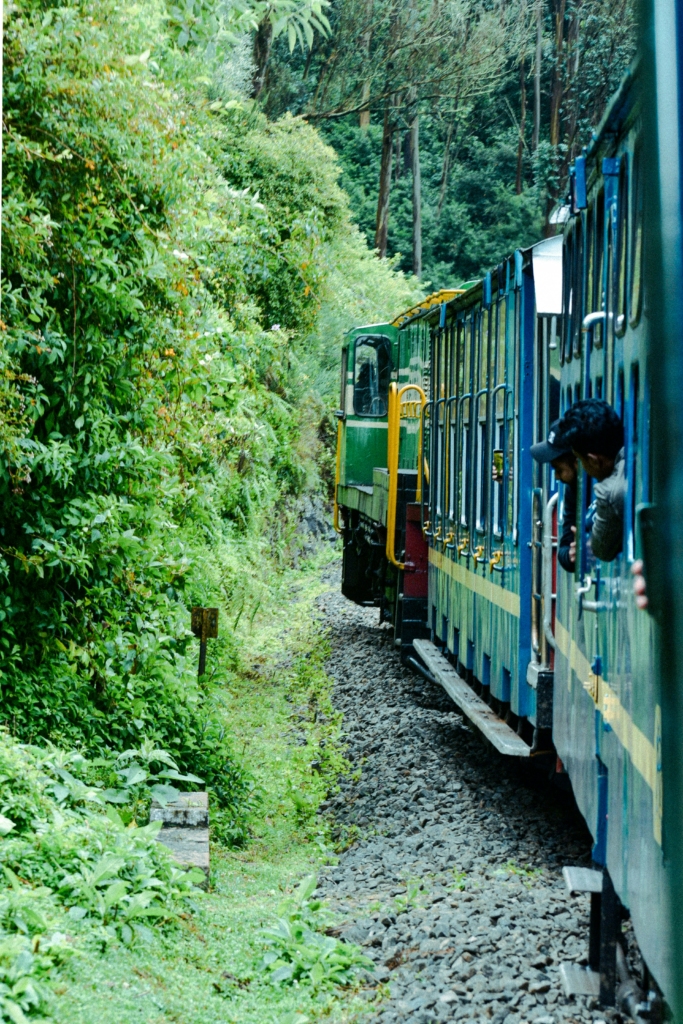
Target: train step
point(473, 707)
point(579, 981)
point(600, 976)
point(582, 880)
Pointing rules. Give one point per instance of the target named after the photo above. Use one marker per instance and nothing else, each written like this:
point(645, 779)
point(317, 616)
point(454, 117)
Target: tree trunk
point(535, 139)
point(522, 126)
point(417, 196)
point(364, 114)
point(557, 91)
point(445, 167)
point(382, 223)
point(573, 64)
point(263, 42)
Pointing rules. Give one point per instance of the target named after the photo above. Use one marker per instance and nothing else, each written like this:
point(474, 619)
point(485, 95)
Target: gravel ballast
point(452, 881)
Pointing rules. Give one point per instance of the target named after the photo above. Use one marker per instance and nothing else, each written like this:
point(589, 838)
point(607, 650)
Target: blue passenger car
point(557, 666)
point(488, 405)
point(543, 647)
point(607, 708)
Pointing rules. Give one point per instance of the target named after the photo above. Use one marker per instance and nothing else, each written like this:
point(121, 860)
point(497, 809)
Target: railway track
point(454, 882)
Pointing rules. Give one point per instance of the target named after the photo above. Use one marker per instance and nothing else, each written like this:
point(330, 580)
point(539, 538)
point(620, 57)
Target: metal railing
point(393, 446)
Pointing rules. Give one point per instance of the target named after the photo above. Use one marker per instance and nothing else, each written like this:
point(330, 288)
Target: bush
point(170, 260)
point(72, 868)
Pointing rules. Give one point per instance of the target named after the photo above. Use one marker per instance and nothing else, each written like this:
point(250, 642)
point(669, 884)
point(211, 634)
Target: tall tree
point(536, 136)
point(557, 89)
point(298, 18)
point(413, 59)
point(522, 125)
point(382, 223)
point(417, 195)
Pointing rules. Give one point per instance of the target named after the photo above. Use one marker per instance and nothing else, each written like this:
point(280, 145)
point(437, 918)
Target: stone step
point(185, 830)
point(190, 810)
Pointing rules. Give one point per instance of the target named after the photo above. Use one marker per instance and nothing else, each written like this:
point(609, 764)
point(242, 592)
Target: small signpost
point(204, 626)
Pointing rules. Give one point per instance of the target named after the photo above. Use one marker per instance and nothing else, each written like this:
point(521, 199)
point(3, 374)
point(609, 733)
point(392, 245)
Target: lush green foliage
point(170, 262)
point(467, 68)
point(72, 868)
point(482, 218)
point(300, 951)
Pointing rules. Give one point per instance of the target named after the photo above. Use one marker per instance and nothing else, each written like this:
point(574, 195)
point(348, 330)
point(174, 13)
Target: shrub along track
point(453, 878)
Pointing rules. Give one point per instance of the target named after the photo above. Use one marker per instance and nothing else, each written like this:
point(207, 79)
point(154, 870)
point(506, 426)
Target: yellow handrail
point(337, 475)
point(393, 444)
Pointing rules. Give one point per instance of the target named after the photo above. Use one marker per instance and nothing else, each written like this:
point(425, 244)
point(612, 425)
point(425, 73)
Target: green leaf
point(317, 973)
point(6, 825)
point(114, 893)
point(283, 973)
point(172, 773)
point(14, 1012)
point(116, 796)
point(164, 794)
point(306, 888)
point(133, 775)
point(12, 878)
point(114, 816)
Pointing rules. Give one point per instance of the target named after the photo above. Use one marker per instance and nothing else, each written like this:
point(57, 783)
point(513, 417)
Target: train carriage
point(451, 527)
point(607, 705)
point(487, 406)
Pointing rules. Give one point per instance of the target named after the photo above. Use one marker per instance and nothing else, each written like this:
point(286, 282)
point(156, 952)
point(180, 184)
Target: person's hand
point(639, 584)
point(572, 547)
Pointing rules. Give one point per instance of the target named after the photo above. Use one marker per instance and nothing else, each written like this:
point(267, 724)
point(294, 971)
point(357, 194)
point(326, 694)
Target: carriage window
point(464, 459)
point(482, 474)
point(372, 376)
point(500, 345)
point(480, 412)
point(568, 303)
point(633, 459)
point(622, 247)
point(590, 259)
point(483, 348)
point(636, 242)
point(577, 289)
point(598, 297)
point(619, 406)
point(465, 417)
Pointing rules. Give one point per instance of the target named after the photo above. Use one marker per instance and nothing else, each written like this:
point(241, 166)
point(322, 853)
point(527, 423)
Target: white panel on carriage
point(547, 263)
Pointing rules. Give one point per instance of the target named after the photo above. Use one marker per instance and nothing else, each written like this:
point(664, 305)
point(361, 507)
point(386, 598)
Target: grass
point(207, 970)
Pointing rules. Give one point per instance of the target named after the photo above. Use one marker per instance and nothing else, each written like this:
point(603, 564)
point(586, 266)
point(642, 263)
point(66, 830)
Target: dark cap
point(553, 448)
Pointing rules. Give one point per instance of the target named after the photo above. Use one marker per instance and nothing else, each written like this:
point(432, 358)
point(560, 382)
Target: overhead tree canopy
point(493, 163)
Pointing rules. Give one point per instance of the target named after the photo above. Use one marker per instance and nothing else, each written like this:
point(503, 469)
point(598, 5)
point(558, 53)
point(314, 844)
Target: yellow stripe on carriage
point(640, 749)
point(505, 599)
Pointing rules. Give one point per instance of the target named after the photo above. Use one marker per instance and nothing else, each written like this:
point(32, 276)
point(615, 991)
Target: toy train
point(450, 527)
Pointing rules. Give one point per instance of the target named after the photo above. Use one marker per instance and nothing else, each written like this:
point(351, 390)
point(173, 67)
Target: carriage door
point(547, 270)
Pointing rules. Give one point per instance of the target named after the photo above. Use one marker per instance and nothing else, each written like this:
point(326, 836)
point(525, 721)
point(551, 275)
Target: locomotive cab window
point(344, 370)
point(372, 376)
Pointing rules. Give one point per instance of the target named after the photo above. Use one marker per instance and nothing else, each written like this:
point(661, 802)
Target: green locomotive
point(381, 474)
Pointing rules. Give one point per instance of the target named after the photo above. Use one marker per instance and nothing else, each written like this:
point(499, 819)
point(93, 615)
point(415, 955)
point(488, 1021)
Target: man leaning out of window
point(596, 434)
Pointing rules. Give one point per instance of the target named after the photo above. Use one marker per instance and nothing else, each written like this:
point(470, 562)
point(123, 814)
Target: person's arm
point(568, 533)
point(608, 522)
